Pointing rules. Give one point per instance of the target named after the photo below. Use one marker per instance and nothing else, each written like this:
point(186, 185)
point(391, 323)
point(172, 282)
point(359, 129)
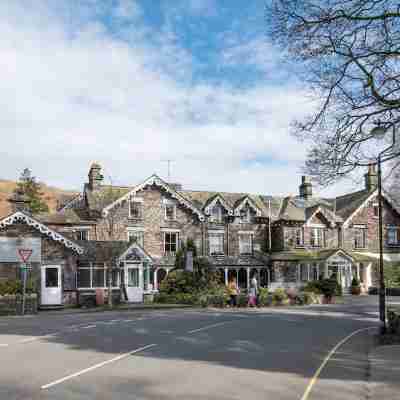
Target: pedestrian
point(253, 293)
point(233, 292)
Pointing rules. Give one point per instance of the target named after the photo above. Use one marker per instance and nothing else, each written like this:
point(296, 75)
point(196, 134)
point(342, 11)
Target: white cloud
point(74, 95)
point(127, 9)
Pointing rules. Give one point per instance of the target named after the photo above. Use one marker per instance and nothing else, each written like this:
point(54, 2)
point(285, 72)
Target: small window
point(245, 215)
point(51, 277)
point(82, 234)
point(376, 210)
point(246, 244)
point(136, 237)
point(171, 242)
point(216, 242)
point(299, 237)
point(170, 211)
point(303, 272)
point(135, 209)
point(133, 277)
point(216, 213)
point(317, 237)
point(360, 238)
point(393, 236)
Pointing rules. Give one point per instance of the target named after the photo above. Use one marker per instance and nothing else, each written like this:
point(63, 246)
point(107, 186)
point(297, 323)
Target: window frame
point(317, 240)
point(173, 206)
point(396, 230)
point(130, 233)
point(91, 268)
point(170, 243)
point(363, 232)
point(221, 244)
point(250, 244)
point(139, 203)
point(301, 230)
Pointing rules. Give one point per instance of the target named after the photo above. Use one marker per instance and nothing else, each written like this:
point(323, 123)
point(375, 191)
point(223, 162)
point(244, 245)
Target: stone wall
point(12, 304)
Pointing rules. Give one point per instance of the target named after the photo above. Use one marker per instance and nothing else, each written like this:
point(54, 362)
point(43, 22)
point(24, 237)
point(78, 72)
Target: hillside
point(53, 196)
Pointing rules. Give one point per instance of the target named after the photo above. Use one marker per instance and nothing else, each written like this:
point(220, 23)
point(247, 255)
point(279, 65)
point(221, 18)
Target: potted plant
point(355, 287)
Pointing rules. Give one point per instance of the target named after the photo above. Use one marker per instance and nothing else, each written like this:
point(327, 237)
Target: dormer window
point(245, 215)
point(216, 213)
point(170, 212)
point(135, 209)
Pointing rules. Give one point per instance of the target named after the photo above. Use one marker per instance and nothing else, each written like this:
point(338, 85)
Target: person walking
point(233, 292)
point(253, 292)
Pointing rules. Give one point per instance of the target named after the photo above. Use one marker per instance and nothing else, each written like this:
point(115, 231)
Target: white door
point(134, 288)
point(51, 293)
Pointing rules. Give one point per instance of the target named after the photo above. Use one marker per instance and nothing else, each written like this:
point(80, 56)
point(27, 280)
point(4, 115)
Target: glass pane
point(98, 277)
point(51, 277)
point(133, 277)
point(83, 278)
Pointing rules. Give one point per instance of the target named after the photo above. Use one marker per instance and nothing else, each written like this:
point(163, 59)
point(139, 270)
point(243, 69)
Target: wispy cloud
point(76, 92)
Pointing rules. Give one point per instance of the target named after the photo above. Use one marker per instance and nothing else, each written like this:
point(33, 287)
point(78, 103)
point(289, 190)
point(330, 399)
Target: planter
point(356, 290)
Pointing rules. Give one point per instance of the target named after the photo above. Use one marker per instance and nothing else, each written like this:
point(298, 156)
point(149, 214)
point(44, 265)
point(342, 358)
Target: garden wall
point(12, 304)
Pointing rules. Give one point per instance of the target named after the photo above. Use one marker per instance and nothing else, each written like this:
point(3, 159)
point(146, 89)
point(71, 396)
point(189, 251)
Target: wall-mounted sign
point(10, 249)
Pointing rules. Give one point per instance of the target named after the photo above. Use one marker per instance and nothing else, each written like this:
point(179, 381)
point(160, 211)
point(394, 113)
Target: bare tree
point(348, 54)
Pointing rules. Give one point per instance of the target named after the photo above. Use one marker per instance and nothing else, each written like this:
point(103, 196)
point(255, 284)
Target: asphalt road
point(188, 354)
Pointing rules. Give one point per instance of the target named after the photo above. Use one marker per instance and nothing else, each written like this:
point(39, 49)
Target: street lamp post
point(379, 132)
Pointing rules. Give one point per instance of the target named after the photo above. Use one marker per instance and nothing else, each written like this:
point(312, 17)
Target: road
point(188, 354)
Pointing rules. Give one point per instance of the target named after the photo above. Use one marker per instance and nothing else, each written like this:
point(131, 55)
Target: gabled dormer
point(246, 209)
point(217, 208)
point(321, 216)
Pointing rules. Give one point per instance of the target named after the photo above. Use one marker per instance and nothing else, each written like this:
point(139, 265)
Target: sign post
point(24, 254)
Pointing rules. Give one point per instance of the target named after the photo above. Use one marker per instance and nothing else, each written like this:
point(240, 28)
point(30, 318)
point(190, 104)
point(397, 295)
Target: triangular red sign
point(25, 254)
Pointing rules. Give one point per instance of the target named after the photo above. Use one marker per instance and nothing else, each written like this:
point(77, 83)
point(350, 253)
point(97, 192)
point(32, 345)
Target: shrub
point(313, 287)
point(279, 296)
point(330, 287)
point(355, 286)
point(242, 300)
point(14, 286)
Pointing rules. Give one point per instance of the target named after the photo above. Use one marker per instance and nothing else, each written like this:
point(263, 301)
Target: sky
point(133, 83)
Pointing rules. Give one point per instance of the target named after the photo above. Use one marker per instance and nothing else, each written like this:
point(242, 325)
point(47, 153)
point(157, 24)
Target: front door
point(51, 293)
point(134, 288)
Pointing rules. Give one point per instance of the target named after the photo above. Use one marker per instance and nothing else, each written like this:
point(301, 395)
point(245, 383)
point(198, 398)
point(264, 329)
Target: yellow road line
point(327, 358)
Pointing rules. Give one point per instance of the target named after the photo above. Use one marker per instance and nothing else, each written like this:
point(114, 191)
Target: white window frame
point(395, 230)
point(222, 245)
point(80, 231)
point(317, 235)
point(301, 230)
point(138, 201)
point(247, 219)
point(363, 231)
point(173, 212)
point(375, 206)
point(91, 268)
point(218, 216)
point(172, 232)
point(303, 267)
point(250, 237)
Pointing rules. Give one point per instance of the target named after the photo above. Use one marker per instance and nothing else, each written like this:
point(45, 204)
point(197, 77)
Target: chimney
point(95, 177)
point(305, 189)
point(371, 178)
point(20, 202)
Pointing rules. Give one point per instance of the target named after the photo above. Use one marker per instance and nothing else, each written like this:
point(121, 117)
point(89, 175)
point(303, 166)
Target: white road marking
point(128, 320)
point(89, 327)
point(3, 344)
point(93, 367)
point(36, 338)
point(209, 326)
point(327, 358)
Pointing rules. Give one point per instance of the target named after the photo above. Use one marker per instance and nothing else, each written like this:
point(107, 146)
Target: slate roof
point(101, 251)
point(307, 255)
point(347, 204)
point(66, 217)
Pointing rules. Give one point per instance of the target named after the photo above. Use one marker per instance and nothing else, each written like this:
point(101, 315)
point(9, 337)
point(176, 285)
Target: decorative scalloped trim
point(155, 180)
point(219, 198)
point(21, 217)
point(247, 200)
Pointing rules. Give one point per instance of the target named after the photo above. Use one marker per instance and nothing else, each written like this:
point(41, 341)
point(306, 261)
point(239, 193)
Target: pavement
point(303, 353)
point(385, 373)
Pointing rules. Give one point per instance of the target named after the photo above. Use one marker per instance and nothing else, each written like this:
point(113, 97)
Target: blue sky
point(130, 83)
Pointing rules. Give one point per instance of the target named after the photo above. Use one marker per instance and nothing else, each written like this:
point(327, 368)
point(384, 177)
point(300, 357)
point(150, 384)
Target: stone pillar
point(248, 277)
point(326, 271)
point(226, 276)
point(358, 271)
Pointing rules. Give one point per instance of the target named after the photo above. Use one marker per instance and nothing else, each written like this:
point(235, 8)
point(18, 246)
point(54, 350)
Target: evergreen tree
point(31, 189)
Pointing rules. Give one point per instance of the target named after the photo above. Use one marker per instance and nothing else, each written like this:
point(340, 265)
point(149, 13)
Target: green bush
point(264, 297)
point(14, 286)
point(313, 287)
point(242, 300)
point(279, 296)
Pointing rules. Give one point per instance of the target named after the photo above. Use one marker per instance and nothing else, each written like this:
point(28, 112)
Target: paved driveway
point(188, 354)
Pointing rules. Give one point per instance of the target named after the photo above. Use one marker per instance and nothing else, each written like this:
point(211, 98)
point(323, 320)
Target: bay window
point(317, 238)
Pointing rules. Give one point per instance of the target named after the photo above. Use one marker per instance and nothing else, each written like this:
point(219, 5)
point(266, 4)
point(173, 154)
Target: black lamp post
point(379, 132)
